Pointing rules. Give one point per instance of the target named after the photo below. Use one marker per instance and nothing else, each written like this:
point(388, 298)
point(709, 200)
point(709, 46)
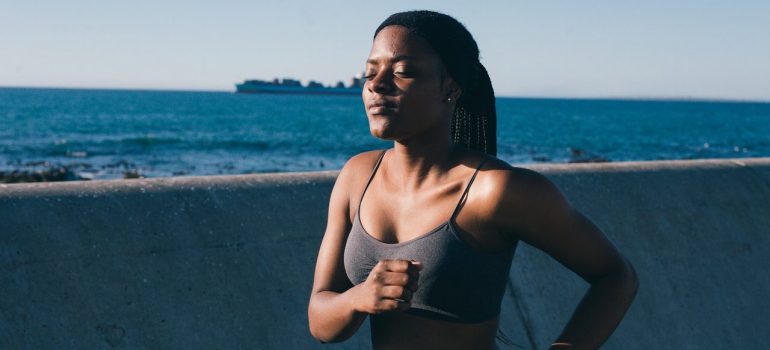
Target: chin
point(382, 128)
point(384, 134)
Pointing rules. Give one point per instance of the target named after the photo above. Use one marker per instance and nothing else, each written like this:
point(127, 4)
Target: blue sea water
point(100, 134)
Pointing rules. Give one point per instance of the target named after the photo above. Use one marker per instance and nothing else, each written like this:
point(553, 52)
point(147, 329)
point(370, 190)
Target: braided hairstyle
point(474, 121)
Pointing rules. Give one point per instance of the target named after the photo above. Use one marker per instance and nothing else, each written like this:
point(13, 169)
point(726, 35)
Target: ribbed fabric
point(458, 283)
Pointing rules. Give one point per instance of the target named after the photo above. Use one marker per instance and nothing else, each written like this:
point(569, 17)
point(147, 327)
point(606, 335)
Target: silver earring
point(449, 99)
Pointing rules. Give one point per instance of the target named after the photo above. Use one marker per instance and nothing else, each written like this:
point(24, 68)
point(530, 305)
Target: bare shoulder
point(363, 161)
point(354, 174)
point(358, 165)
point(515, 197)
point(501, 180)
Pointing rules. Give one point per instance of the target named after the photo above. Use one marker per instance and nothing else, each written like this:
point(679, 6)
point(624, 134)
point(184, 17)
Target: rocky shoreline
point(45, 172)
point(52, 174)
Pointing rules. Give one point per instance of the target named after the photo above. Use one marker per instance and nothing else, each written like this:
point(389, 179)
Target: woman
point(426, 281)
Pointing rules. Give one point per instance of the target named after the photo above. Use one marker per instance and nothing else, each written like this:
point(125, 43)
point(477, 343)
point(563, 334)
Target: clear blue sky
point(681, 48)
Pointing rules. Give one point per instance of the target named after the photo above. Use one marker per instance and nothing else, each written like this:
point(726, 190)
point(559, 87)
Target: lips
point(382, 106)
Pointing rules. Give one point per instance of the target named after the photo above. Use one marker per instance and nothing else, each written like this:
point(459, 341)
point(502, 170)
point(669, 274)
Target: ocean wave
point(128, 145)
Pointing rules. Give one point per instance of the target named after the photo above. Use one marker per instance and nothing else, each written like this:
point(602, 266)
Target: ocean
point(110, 134)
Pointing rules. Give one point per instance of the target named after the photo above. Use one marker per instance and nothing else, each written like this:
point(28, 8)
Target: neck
point(413, 162)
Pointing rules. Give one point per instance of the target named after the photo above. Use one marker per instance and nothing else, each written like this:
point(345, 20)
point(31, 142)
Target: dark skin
point(424, 172)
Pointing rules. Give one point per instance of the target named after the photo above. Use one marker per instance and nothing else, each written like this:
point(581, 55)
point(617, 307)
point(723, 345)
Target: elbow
point(323, 337)
point(328, 322)
point(622, 278)
point(317, 333)
point(319, 336)
point(628, 280)
point(322, 334)
point(633, 278)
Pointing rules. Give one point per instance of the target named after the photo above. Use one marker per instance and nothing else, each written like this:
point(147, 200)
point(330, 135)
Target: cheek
point(421, 106)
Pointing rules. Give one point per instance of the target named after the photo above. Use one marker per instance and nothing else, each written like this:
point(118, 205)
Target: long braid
point(476, 111)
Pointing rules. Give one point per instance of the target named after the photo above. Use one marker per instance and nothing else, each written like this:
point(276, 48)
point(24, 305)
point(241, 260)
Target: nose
point(380, 83)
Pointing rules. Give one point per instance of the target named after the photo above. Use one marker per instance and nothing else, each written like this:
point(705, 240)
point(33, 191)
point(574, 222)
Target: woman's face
point(403, 94)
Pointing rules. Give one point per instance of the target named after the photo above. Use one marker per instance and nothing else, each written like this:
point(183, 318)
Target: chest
point(457, 282)
point(444, 254)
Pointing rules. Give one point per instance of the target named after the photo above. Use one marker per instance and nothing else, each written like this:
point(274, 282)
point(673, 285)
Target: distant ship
point(292, 86)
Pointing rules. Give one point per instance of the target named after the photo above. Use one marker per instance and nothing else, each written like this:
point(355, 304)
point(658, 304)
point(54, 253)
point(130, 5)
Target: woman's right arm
point(337, 308)
point(331, 314)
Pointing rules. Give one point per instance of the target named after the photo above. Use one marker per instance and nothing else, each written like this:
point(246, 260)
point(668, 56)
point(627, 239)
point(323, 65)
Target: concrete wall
point(226, 262)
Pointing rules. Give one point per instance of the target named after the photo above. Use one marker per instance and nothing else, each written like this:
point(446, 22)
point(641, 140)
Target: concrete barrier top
point(227, 261)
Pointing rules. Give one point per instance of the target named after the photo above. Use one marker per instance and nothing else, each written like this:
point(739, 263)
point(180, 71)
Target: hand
point(389, 287)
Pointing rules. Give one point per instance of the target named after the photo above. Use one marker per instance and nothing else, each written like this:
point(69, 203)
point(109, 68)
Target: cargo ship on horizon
point(293, 86)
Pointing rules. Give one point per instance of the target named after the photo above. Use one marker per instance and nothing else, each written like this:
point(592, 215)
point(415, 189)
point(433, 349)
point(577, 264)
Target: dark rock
point(132, 174)
point(56, 173)
point(578, 155)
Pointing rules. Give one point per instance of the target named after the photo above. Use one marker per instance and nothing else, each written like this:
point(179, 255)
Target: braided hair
point(474, 121)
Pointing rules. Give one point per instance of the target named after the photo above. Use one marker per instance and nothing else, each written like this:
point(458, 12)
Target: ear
point(450, 89)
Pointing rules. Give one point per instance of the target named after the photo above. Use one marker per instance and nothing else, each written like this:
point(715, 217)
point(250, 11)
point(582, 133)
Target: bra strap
point(467, 187)
point(371, 176)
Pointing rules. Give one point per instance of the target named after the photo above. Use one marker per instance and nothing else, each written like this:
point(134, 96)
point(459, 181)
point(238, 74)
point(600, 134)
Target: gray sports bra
point(458, 283)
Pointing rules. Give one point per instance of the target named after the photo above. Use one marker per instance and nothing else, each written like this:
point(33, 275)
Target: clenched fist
point(389, 287)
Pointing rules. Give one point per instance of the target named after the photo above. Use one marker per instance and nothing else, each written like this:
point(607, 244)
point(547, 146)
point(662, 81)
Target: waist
point(400, 330)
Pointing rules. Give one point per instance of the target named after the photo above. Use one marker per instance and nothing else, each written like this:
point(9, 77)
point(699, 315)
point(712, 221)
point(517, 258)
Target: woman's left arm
point(531, 208)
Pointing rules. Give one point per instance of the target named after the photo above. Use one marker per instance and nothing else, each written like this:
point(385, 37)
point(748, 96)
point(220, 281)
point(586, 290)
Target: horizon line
point(597, 97)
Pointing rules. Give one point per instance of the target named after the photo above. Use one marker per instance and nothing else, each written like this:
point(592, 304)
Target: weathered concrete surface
point(226, 262)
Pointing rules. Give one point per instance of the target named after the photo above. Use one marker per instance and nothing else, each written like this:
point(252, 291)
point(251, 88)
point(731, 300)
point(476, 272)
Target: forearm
point(600, 311)
point(332, 317)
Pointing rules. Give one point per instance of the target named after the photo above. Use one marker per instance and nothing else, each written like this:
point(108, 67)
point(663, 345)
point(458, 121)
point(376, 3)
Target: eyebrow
point(395, 59)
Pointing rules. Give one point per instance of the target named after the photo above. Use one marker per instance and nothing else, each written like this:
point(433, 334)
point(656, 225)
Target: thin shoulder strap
point(467, 187)
point(371, 176)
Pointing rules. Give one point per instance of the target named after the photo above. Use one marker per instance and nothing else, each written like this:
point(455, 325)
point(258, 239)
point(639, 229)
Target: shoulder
point(517, 182)
point(361, 163)
point(515, 197)
point(504, 180)
point(354, 174)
